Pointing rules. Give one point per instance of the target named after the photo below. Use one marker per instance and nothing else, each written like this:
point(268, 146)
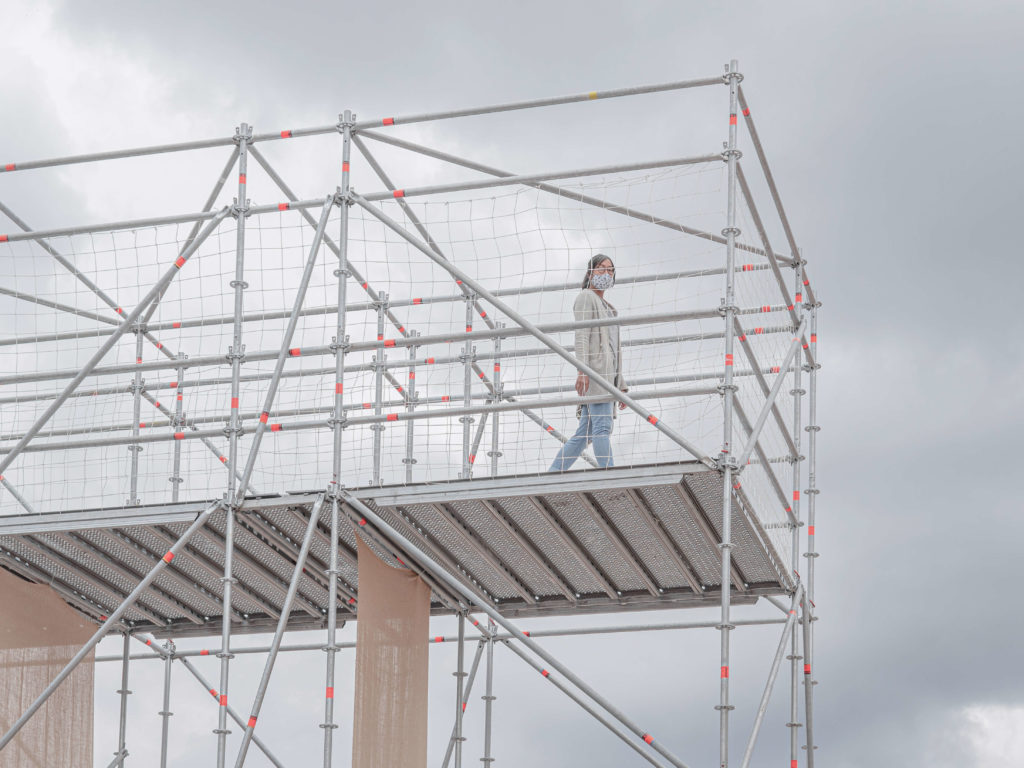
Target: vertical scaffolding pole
point(123, 692)
point(166, 713)
point(340, 345)
point(728, 461)
point(236, 353)
point(811, 554)
point(179, 423)
point(499, 388)
point(488, 696)
point(467, 382)
point(794, 655)
point(410, 406)
point(465, 700)
point(378, 384)
point(460, 675)
point(135, 448)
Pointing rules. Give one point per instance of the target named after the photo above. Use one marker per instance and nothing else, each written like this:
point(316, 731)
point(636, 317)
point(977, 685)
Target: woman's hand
point(582, 384)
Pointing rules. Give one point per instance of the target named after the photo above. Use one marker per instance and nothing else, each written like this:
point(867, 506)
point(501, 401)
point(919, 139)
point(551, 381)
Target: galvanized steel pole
point(410, 406)
point(166, 713)
point(123, 692)
point(378, 386)
point(178, 422)
point(728, 462)
point(465, 700)
point(460, 675)
point(499, 389)
point(489, 696)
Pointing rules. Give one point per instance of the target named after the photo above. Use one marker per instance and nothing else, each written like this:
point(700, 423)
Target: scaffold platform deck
point(637, 538)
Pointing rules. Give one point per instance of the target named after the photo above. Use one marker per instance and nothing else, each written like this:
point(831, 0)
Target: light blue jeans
point(595, 427)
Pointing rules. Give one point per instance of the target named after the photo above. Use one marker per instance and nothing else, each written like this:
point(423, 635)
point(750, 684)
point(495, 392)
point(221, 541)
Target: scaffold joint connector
point(240, 210)
point(727, 155)
point(727, 461)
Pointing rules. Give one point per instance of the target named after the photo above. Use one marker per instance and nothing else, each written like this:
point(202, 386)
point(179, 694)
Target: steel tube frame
point(17, 495)
point(459, 674)
point(112, 620)
point(465, 700)
point(378, 387)
point(167, 277)
point(293, 586)
point(534, 331)
point(456, 586)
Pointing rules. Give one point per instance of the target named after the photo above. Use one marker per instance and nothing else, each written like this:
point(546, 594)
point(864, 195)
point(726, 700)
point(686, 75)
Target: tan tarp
point(39, 633)
point(390, 720)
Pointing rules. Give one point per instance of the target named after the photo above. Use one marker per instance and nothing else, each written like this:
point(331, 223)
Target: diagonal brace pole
point(293, 587)
point(766, 409)
point(538, 334)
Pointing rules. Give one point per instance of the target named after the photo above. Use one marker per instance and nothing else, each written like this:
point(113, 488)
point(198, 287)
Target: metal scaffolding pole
point(534, 331)
point(378, 386)
point(153, 292)
point(489, 696)
point(410, 405)
point(812, 553)
point(728, 462)
point(236, 353)
point(794, 655)
point(165, 713)
point(293, 587)
point(460, 679)
point(465, 700)
point(337, 423)
point(177, 422)
point(467, 382)
point(135, 448)
point(123, 693)
point(499, 390)
point(428, 564)
point(111, 621)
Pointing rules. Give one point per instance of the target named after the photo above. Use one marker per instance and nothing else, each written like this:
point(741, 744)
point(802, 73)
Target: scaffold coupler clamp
point(726, 461)
point(724, 309)
point(737, 76)
point(344, 346)
point(244, 131)
point(346, 118)
point(240, 210)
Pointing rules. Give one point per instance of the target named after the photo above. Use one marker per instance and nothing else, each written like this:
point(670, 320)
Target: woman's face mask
point(602, 281)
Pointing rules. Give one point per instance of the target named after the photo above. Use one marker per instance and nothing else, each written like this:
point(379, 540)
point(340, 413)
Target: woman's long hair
point(596, 259)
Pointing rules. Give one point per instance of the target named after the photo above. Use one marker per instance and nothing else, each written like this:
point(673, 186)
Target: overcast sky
point(894, 132)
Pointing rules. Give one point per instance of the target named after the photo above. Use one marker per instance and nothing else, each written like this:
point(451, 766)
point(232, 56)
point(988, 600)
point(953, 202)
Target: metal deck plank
point(661, 535)
point(621, 545)
point(709, 533)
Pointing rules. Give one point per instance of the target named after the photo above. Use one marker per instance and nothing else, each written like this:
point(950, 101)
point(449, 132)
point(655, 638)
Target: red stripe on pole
point(775, 369)
point(263, 417)
point(445, 398)
point(653, 419)
point(732, 119)
point(417, 301)
point(3, 238)
point(746, 112)
point(748, 267)
point(286, 134)
point(796, 495)
point(399, 193)
point(814, 338)
point(275, 427)
point(807, 282)
point(399, 388)
point(758, 330)
point(339, 388)
point(168, 557)
point(9, 167)
point(472, 458)
point(389, 342)
point(483, 313)
point(241, 178)
point(344, 166)
point(364, 286)
point(728, 359)
point(362, 521)
point(743, 337)
point(792, 764)
point(223, 699)
point(204, 652)
point(430, 361)
point(252, 722)
point(549, 428)
point(392, 417)
point(766, 307)
point(138, 360)
point(142, 425)
point(156, 404)
point(223, 459)
point(439, 639)
point(799, 298)
point(497, 367)
point(213, 692)
point(401, 329)
point(725, 672)
point(179, 435)
point(810, 530)
point(648, 738)
point(807, 669)
point(234, 403)
point(481, 374)
point(119, 311)
point(464, 706)
point(282, 206)
point(330, 692)
point(545, 672)
point(412, 375)
point(295, 351)
point(469, 329)
point(176, 324)
point(178, 262)
point(388, 121)
point(367, 405)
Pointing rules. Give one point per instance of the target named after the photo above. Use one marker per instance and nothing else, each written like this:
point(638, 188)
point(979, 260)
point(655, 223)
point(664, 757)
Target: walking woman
point(598, 347)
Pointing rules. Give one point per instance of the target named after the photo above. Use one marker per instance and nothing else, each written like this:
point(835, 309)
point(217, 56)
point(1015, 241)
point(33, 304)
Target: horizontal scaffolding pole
point(533, 178)
point(438, 640)
point(366, 306)
point(227, 141)
point(357, 420)
point(453, 337)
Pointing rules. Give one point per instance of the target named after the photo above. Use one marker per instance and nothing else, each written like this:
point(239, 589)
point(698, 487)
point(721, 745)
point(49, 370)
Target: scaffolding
point(226, 521)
